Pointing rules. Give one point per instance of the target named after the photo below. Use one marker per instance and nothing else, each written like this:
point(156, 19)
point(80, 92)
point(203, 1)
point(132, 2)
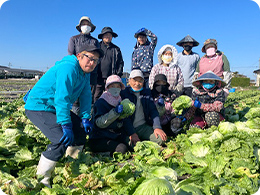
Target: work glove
point(183, 118)
point(197, 103)
point(119, 109)
point(87, 125)
point(68, 136)
point(26, 96)
point(160, 101)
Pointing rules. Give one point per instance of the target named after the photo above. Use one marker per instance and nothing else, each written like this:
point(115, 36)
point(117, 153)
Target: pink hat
point(114, 79)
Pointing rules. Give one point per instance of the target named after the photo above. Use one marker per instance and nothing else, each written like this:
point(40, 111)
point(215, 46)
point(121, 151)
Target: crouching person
point(49, 102)
point(110, 132)
point(208, 101)
point(145, 121)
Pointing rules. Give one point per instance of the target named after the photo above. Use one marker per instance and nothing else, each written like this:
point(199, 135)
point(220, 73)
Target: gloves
point(68, 135)
point(160, 101)
point(87, 125)
point(26, 96)
point(197, 103)
point(183, 118)
point(119, 109)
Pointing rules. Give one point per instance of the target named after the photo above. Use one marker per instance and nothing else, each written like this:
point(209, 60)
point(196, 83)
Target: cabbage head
point(227, 127)
point(165, 173)
point(154, 186)
point(253, 113)
point(181, 103)
point(128, 108)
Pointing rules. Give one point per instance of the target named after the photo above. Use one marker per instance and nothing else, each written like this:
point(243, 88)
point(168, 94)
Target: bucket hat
point(93, 27)
point(207, 42)
point(93, 47)
point(188, 39)
point(161, 77)
point(208, 76)
point(107, 30)
point(136, 73)
point(114, 79)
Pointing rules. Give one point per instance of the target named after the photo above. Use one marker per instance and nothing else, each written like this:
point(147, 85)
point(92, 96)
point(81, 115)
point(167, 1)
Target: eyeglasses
point(95, 61)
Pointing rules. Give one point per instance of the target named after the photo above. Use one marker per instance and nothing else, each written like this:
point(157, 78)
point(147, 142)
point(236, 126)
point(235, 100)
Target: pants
point(187, 91)
point(100, 88)
point(200, 121)
point(46, 122)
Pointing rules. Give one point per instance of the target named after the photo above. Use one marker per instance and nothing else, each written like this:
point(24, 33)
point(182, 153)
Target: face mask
point(166, 59)
point(161, 89)
point(208, 85)
point(136, 90)
point(211, 51)
point(187, 47)
point(85, 29)
point(114, 91)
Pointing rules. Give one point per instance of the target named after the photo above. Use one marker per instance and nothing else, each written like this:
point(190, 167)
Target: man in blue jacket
point(49, 103)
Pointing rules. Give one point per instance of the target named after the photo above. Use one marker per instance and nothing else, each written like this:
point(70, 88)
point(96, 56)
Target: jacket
point(59, 88)
point(75, 44)
point(107, 124)
point(142, 56)
point(149, 108)
point(111, 63)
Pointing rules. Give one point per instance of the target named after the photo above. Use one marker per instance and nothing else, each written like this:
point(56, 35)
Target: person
point(49, 103)
point(163, 100)
point(145, 121)
point(109, 131)
point(142, 56)
point(208, 101)
point(167, 58)
point(215, 61)
point(111, 63)
point(85, 27)
point(187, 60)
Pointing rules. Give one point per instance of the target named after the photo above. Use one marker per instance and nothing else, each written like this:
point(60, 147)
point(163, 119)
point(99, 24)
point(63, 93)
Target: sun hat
point(207, 42)
point(208, 76)
point(161, 77)
point(107, 30)
point(114, 79)
point(91, 47)
point(188, 39)
point(136, 73)
point(93, 27)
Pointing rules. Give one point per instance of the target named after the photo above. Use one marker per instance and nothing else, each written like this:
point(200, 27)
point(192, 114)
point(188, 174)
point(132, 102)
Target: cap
point(136, 73)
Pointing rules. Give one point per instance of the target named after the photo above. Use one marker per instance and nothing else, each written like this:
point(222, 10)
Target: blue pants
point(46, 122)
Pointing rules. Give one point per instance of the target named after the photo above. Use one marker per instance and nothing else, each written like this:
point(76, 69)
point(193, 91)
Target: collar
point(191, 53)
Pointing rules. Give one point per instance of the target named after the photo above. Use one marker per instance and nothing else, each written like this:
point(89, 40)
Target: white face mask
point(85, 29)
point(167, 59)
point(114, 91)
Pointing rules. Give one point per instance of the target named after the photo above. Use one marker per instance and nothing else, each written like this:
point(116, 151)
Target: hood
point(174, 54)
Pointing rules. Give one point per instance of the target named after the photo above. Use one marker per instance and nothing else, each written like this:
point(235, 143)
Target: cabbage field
point(220, 160)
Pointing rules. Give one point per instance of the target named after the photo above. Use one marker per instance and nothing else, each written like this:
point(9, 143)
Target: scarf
point(112, 100)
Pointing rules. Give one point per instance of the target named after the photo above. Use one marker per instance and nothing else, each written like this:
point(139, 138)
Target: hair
point(84, 52)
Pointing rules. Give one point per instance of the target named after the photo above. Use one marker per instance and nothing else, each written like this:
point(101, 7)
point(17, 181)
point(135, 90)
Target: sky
point(34, 34)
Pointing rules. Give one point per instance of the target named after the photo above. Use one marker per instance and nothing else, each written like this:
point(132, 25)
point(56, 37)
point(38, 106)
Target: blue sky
point(34, 34)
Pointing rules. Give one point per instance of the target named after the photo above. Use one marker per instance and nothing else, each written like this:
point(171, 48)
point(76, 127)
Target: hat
point(208, 76)
point(141, 31)
point(136, 73)
point(93, 47)
point(93, 27)
point(107, 30)
point(188, 39)
point(114, 79)
point(161, 77)
point(207, 42)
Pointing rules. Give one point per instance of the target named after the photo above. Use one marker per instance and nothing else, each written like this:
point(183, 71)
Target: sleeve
point(64, 89)
point(71, 47)
point(107, 119)
point(151, 76)
point(156, 123)
point(180, 82)
point(198, 66)
point(128, 126)
point(226, 65)
point(216, 106)
point(153, 38)
point(85, 100)
point(134, 60)
point(120, 63)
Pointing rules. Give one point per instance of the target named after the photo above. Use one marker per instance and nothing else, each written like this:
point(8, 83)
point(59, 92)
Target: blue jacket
point(59, 88)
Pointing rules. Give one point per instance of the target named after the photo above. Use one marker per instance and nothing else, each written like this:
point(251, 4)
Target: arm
point(217, 105)
point(226, 74)
point(85, 100)
point(107, 119)
point(71, 47)
point(153, 38)
point(151, 76)
point(119, 63)
point(180, 82)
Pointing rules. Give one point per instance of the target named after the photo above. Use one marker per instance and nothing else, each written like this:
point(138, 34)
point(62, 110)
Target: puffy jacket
point(59, 88)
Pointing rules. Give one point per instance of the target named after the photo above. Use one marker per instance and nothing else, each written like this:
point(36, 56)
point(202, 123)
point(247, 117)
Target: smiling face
point(107, 38)
point(88, 60)
point(136, 83)
point(141, 39)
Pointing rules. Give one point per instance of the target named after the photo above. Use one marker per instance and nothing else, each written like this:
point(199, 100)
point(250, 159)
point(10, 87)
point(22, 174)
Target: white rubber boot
point(73, 151)
point(45, 168)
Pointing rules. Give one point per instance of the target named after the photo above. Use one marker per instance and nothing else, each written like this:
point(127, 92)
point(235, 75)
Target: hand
point(160, 101)
point(161, 133)
point(119, 109)
point(68, 135)
point(183, 118)
point(134, 139)
point(87, 125)
point(197, 103)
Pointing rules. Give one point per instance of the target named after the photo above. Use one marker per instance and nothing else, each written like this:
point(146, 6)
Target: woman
point(167, 58)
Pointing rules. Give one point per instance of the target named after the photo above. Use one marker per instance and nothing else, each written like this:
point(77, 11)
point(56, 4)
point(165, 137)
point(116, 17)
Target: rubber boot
point(73, 151)
point(45, 168)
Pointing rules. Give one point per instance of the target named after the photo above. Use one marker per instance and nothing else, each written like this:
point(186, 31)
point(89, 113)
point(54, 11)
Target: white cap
point(136, 73)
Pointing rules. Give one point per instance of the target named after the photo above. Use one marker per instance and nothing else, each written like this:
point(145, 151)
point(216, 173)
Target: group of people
point(60, 102)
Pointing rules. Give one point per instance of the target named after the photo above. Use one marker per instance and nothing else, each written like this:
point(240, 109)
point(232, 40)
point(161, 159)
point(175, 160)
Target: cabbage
point(154, 186)
point(227, 127)
point(165, 173)
point(253, 123)
point(199, 150)
point(253, 113)
point(128, 108)
point(213, 136)
point(196, 137)
point(242, 127)
point(181, 103)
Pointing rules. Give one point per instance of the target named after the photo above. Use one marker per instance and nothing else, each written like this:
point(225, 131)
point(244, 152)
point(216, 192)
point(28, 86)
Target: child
point(208, 101)
point(109, 132)
point(163, 98)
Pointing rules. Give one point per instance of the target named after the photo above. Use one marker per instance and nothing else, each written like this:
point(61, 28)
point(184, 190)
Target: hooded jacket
point(59, 88)
point(172, 72)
